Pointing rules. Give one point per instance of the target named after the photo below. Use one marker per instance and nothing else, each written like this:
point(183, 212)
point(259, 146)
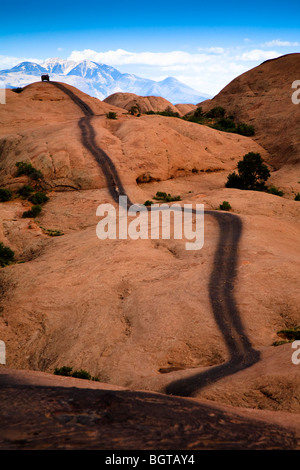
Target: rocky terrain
point(145, 104)
point(147, 318)
point(263, 97)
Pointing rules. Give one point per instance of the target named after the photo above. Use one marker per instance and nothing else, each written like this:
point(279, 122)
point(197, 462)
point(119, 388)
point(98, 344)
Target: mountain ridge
point(101, 80)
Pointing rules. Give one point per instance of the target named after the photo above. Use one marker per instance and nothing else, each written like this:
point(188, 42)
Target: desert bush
point(245, 129)
point(64, 370)
point(289, 334)
point(27, 169)
point(216, 112)
point(297, 197)
point(33, 212)
point(292, 334)
point(168, 112)
point(6, 255)
point(252, 173)
point(276, 191)
point(225, 124)
point(81, 374)
point(17, 90)
point(52, 232)
point(164, 197)
point(225, 206)
point(5, 194)
point(39, 198)
point(25, 191)
point(78, 374)
point(148, 203)
point(111, 115)
point(134, 110)
point(199, 113)
point(160, 195)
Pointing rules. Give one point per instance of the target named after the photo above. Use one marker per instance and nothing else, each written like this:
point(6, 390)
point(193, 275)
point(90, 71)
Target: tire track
point(222, 279)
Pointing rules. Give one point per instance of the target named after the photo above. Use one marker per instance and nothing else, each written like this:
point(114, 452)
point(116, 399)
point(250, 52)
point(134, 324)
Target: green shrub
point(217, 112)
point(78, 374)
point(252, 173)
point(111, 115)
point(234, 181)
point(276, 191)
point(81, 374)
point(34, 212)
point(65, 370)
point(161, 196)
point(297, 197)
point(167, 112)
point(148, 203)
point(52, 232)
point(27, 169)
point(198, 114)
point(5, 194)
point(245, 129)
point(289, 335)
point(17, 90)
point(6, 255)
point(134, 110)
point(225, 206)
point(39, 198)
point(225, 124)
point(25, 191)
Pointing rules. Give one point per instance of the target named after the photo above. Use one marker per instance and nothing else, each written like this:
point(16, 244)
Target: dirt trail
point(222, 279)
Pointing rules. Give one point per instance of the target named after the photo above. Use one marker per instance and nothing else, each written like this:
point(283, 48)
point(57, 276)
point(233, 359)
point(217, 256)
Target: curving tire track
point(222, 280)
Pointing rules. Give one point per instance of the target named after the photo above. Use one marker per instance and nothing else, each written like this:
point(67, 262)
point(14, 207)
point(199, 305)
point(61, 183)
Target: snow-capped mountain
point(100, 80)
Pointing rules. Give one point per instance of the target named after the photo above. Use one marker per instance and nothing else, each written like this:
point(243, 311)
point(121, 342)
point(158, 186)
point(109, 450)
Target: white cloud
point(122, 57)
point(7, 62)
point(278, 42)
point(207, 70)
point(213, 50)
point(256, 55)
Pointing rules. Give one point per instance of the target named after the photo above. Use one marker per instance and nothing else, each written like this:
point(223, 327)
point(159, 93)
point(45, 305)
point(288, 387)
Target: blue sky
point(205, 44)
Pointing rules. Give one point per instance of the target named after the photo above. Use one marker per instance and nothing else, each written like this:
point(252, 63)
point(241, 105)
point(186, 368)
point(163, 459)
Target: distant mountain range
point(100, 80)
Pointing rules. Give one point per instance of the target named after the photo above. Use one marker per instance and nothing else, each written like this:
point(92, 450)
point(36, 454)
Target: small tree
point(225, 206)
point(216, 112)
point(199, 112)
point(34, 212)
point(39, 198)
point(252, 173)
point(245, 129)
point(6, 255)
point(64, 370)
point(276, 191)
point(5, 194)
point(27, 169)
point(111, 115)
point(25, 191)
